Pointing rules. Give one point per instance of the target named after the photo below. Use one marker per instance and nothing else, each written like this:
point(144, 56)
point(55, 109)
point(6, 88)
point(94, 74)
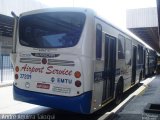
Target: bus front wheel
point(119, 93)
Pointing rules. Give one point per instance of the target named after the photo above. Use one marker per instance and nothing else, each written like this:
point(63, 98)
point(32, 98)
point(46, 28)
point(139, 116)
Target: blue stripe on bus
point(80, 104)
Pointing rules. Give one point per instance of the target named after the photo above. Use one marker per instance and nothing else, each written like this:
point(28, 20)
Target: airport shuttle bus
point(71, 59)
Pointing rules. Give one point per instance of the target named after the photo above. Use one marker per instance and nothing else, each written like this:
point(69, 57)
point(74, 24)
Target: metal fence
point(6, 69)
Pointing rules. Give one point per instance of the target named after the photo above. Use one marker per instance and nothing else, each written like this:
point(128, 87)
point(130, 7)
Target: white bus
point(70, 59)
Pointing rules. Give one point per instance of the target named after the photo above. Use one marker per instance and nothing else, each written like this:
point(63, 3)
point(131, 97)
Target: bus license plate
point(43, 85)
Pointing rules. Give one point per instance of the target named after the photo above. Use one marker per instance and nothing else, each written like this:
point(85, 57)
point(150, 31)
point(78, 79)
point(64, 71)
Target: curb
point(5, 85)
point(139, 91)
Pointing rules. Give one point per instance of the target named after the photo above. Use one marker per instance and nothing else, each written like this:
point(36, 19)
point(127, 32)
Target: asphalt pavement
point(8, 105)
point(134, 110)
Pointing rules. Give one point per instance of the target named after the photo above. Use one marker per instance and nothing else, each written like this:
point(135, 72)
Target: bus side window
point(140, 54)
point(128, 47)
point(98, 41)
point(121, 42)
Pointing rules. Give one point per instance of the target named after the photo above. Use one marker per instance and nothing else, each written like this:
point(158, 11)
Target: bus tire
point(119, 92)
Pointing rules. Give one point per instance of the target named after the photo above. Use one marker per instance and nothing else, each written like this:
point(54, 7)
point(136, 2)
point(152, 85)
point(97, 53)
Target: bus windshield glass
point(51, 29)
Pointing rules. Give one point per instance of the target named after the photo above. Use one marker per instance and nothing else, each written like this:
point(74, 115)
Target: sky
point(112, 10)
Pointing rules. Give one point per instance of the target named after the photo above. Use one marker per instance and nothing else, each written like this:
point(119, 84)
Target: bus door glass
point(144, 63)
point(134, 59)
point(109, 68)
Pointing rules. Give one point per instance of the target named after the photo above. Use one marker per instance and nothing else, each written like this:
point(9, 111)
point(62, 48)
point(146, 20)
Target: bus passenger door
point(109, 68)
point(134, 62)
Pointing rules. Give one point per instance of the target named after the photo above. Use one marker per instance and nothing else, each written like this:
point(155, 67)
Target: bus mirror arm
point(13, 54)
point(14, 15)
point(16, 18)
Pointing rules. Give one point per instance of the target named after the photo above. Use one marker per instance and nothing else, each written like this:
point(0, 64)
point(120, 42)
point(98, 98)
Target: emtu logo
point(52, 79)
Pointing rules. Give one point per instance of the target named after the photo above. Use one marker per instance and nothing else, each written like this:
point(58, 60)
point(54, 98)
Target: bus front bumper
point(79, 104)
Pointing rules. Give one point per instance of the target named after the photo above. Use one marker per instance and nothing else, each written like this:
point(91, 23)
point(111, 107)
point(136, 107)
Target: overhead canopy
point(144, 23)
point(149, 35)
point(6, 25)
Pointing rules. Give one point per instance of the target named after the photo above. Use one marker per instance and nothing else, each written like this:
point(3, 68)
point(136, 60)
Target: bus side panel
point(99, 88)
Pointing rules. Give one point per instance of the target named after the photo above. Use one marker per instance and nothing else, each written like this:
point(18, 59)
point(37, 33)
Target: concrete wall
point(5, 45)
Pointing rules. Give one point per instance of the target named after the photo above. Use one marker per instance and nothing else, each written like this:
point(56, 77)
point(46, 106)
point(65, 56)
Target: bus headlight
point(44, 61)
point(78, 83)
point(77, 74)
point(17, 69)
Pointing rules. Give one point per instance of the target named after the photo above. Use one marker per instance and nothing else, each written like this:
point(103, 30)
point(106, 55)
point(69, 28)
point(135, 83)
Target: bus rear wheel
point(140, 77)
point(119, 93)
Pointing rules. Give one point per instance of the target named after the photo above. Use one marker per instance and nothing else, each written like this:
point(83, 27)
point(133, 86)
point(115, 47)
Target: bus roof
point(58, 9)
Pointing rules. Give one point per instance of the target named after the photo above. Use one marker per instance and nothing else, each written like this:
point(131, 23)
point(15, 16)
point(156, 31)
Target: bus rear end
point(48, 68)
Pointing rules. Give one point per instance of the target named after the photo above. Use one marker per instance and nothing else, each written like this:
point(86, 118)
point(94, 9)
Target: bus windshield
point(51, 29)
